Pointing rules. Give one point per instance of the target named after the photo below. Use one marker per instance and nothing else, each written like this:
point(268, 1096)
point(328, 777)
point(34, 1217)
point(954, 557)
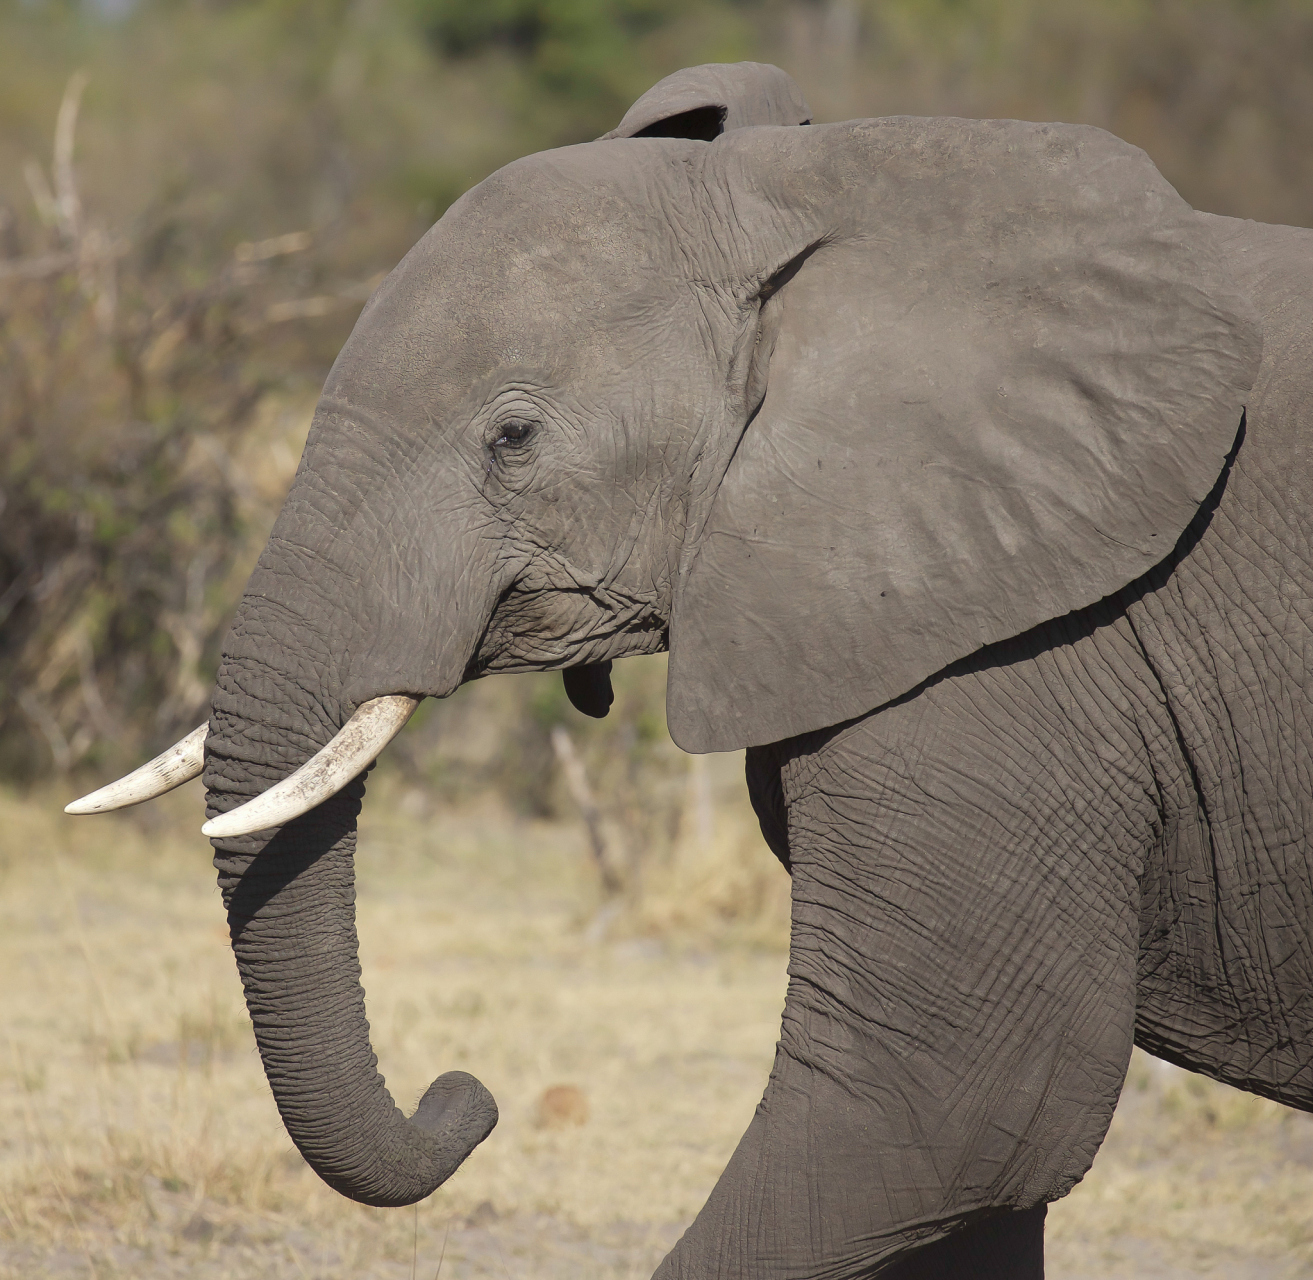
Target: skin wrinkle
point(1230, 718)
point(985, 998)
point(697, 224)
point(298, 621)
point(1233, 736)
point(270, 734)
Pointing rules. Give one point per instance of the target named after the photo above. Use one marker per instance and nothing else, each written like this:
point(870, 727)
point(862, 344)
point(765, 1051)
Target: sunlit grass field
point(626, 1049)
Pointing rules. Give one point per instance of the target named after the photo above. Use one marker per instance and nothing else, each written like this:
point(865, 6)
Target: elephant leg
point(1007, 1246)
point(961, 995)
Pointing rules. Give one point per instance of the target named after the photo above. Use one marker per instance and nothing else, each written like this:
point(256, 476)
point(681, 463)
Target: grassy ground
point(138, 1138)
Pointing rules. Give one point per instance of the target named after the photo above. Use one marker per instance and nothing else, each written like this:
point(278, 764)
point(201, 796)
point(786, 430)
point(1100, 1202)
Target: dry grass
point(138, 1137)
point(1194, 1178)
point(134, 1104)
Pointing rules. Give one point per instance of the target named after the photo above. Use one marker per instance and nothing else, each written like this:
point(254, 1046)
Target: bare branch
point(323, 304)
point(91, 696)
point(42, 197)
point(68, 207)
point(699, 800)
point(262, 250)
point(577, 781)
point(45, 264)
point(37, 713)
point(304, 308)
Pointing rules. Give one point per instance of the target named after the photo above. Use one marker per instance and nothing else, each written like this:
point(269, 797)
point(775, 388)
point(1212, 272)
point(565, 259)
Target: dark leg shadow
point(1007, 1247)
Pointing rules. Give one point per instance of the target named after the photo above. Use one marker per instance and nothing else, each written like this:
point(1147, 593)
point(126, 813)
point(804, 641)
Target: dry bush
point(720, 884)
point(129, 387)
point(173, 288)
point(495, 735)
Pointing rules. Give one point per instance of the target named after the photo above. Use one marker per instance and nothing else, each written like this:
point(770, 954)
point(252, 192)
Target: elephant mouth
point(355, 745)
point(602, 624)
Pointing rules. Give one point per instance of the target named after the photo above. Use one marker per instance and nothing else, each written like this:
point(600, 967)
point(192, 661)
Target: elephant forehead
point(555, 262)
point(586, 218)
point(612, 201)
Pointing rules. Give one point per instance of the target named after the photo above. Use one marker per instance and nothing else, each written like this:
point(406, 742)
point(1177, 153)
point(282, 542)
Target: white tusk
point(179, 764)
point(359, 741)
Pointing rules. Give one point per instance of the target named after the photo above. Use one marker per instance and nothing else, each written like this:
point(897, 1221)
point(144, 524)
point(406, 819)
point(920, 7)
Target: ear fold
point(1001, 384)
point(704, 102)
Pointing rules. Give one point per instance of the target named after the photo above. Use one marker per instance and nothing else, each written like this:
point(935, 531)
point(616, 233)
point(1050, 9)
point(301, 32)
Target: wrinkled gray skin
point(919, 443)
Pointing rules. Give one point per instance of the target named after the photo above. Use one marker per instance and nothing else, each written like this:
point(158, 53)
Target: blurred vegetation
point(197, 195)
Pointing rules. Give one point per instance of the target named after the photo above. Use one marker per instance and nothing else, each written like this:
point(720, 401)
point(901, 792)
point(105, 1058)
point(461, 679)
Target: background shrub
point(196, 196)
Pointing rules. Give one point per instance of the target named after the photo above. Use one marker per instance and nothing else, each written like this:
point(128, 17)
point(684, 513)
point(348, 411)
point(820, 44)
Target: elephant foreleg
point(961, 998)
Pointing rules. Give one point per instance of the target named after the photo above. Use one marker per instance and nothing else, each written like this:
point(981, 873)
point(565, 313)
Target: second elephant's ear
point(704, 102)
point(1007, 368)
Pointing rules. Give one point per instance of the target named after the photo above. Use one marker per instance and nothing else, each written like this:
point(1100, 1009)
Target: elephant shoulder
point(1273, 266)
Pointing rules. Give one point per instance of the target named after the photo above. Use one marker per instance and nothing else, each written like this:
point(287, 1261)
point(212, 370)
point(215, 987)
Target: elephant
point(961, 467)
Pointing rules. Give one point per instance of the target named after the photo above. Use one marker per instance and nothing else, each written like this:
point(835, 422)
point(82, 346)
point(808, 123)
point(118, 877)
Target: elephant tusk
point(179, 764)
point(357, 743)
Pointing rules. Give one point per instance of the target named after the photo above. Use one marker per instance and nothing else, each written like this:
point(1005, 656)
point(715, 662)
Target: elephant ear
point(704, 102)
point(1008, 365)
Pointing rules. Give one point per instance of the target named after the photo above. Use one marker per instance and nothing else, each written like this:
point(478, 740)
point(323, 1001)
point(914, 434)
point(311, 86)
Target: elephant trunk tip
point(455, 1114)
point(458, 1111)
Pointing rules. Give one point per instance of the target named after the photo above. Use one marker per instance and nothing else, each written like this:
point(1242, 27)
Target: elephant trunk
point(291, 914)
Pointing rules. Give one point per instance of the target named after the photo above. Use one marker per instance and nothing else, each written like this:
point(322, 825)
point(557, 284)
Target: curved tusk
point(179, 764)
point(358, 742)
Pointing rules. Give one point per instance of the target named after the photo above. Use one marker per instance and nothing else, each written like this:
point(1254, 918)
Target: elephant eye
point(513, 433)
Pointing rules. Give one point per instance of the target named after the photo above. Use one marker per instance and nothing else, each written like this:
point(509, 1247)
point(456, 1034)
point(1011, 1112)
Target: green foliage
point(584, 61)
point(571, 42)
point(462, 29)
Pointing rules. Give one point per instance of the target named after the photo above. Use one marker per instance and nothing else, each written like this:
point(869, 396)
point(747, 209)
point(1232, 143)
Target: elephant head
point(821, 410)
